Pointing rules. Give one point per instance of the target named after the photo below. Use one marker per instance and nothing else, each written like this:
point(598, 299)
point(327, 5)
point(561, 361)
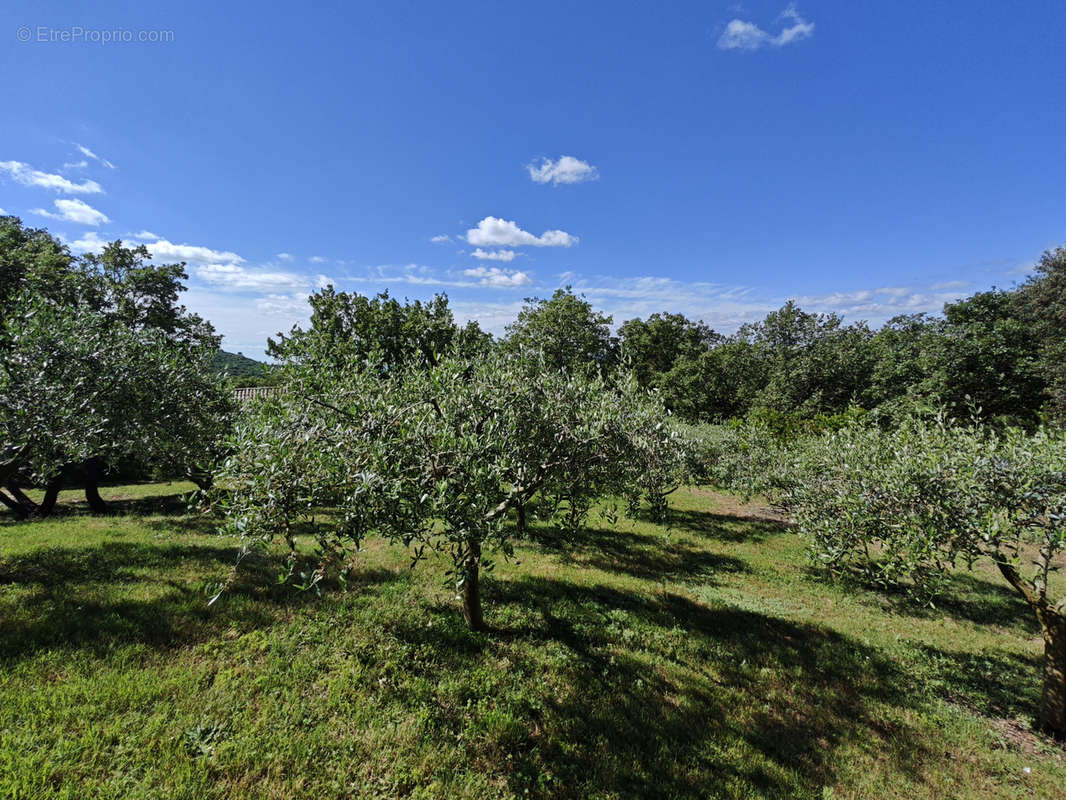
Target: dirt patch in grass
point(733, 506)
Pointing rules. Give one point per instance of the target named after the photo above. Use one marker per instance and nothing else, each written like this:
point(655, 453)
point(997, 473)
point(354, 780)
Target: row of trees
point(903, 506)
point(1001, 351)
point(389, 414)
point(392, 419)
point(100, 366)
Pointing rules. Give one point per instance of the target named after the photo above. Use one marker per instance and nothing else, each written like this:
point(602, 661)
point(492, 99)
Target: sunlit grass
point(697, 660)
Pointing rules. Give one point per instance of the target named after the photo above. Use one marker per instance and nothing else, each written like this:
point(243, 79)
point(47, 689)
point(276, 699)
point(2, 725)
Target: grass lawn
point(701, 660)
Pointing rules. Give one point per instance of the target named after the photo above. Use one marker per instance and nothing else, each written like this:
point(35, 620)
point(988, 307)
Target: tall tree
point(566, 329)
point(347, 326)
point(989, 357)
point(814, 363)
point(652, 346)
point(31, 259)
point(123, 283)
point(906, 354)
point(1042, 305)
point(715, 385)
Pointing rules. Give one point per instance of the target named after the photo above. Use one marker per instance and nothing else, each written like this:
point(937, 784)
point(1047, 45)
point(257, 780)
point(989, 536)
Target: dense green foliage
point(999, 353)
point(903, 506)
point(99, 365)
point(347, 327)
point(405, 431)
point(1042, 306)
point(654, 345)
point(566, 330)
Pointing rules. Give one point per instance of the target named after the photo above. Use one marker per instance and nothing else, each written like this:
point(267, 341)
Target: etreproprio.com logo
point(78, 34)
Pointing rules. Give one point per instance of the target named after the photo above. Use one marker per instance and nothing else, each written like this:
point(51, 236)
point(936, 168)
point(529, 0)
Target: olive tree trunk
point(93, 472)
point(24, 507)
point(204, 480)
point(471, 589)
point(20, 496)
point(14, 505)
point(1052, 714)
point(7, 471)
point(51, 494)
point(1051, 717)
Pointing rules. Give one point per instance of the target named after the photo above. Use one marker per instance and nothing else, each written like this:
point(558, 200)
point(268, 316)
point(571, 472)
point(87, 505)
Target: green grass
point(700, 660)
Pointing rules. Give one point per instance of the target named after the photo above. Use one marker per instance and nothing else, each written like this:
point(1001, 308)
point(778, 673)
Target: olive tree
point(77, 389)
point(907, 505)
point(99, 363)
point(436, 457)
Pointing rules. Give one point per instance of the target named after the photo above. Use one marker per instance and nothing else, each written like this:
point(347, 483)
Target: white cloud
point(28, 176)
point(283, 304)
point(498, 278)
point(195, 254)
point(223, 268)
point(566, 170)
point(2, 212)
point(90, 242)
point(441, 239)
point(74, 211)
point(85, 151)
point(799, 30)
point(741, 35)
point(494, 255)
point(388, 276)
point(236, 277)
point(317, 260)
point(322, 281)
point(284, 256)
point(495, 232)
point(76, 164)
point(493, 317)
point(145, 235)
point(951, 285)
point(412, 274)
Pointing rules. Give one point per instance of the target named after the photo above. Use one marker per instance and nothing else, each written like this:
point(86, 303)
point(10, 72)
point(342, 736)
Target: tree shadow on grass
point(727, 527)
point(54, 568)
point(660, 696)
point(986, 602)
point(993, 684)
point(167, 505)
point(117, 593)
point(966, 596)
point(157, 505)
point(664, 557)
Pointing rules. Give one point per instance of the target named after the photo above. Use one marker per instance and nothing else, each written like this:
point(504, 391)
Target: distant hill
point(239, 366)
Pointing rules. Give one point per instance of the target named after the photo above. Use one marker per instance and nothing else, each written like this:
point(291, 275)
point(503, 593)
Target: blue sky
point(710, 158)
